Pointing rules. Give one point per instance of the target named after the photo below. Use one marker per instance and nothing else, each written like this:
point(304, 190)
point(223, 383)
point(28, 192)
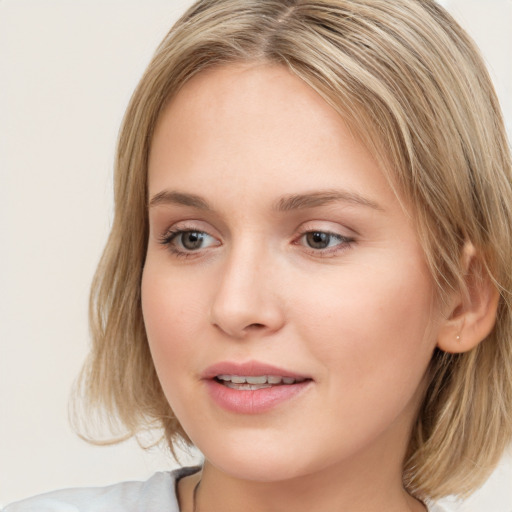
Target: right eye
point(184, 242)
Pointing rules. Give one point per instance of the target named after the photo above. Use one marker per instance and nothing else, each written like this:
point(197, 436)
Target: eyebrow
point(322, 198)
point(179, 198)
point(285, 204)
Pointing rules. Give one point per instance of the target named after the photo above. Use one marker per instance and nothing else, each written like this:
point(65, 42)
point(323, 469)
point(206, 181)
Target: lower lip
point(254, 401)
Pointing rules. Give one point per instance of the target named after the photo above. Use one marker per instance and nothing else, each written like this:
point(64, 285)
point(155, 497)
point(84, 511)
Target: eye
point(319, 239)
point(324, 241)
point(184, 241)
point(192, 240)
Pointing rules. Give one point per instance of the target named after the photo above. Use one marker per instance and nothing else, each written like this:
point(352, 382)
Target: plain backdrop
point(67, 70)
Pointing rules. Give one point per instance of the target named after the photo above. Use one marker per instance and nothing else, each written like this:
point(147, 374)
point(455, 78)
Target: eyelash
point(170, 236)
point(345, 242)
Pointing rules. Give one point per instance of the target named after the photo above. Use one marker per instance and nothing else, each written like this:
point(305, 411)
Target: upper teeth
point(259, 379)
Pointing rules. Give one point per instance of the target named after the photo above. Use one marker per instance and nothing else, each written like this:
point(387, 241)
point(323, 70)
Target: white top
point(158, 494)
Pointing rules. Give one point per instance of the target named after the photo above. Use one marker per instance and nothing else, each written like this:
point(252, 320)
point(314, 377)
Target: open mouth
point(253, 383)
point(253, 387)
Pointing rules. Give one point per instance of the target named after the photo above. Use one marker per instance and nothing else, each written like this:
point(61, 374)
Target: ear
point(471, 314)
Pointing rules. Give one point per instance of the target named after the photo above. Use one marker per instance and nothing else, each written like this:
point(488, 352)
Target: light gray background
point(67, 70)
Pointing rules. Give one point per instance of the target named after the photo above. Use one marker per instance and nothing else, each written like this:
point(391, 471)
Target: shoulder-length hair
point(413, 86)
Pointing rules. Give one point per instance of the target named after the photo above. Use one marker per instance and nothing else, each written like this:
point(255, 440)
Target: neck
point(324, 491)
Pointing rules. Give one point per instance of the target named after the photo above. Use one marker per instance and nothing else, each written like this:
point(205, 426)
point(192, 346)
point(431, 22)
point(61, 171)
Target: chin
point(260, 460)
point(258, 468)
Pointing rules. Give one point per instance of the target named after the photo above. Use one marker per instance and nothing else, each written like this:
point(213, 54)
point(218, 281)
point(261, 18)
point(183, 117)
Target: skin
point(358, 317)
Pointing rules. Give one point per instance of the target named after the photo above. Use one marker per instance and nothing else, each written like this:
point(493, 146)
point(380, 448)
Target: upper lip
point(249, 369)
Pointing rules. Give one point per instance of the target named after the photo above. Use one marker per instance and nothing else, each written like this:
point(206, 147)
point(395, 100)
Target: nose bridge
point(246, 299)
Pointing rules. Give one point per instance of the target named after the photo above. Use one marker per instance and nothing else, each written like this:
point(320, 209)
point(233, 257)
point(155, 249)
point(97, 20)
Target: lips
point(249, 369)
point(253, 387)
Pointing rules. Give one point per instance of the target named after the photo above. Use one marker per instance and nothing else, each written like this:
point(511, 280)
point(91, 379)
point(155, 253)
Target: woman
point(307, 275)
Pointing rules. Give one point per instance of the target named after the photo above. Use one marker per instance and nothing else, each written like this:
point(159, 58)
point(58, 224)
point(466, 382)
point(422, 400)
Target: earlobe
point(472, 312)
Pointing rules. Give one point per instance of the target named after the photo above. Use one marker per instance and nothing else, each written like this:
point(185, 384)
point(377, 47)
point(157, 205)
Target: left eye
point(322, 239)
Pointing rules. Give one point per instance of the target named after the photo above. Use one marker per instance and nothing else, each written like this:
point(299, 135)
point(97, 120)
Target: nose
point(247, 301)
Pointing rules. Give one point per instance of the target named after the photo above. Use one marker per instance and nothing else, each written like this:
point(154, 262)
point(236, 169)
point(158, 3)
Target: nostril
point(255, 326)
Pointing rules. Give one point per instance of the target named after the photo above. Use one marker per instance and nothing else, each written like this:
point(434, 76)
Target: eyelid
point(189, 225)
point(328, 226)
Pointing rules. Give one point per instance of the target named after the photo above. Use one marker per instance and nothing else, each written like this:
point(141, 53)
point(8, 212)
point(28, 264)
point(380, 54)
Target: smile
point(252, 383)
point(252, 388)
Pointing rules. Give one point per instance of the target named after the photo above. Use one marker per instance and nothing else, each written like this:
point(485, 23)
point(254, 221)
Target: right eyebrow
point(178, 198)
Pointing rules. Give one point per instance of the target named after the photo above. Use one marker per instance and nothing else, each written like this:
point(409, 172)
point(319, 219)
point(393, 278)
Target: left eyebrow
point(322, 198)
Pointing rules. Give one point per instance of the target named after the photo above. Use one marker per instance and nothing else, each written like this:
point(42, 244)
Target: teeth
point(247, 387)
point(257, 380)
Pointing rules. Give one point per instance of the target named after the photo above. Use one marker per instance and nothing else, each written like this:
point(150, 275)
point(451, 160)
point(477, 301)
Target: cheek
point(173, 316)
point(370, 334)
point(370, 324)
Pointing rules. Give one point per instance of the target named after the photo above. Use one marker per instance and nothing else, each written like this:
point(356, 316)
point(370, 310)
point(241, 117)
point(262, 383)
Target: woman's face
point(277, 248)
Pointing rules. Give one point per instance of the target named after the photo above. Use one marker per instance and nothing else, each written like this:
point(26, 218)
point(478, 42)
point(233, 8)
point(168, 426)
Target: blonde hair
point(411, 82)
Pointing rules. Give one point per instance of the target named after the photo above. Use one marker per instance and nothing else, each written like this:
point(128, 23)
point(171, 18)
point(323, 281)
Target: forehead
point(258, 121)
point(256, 99)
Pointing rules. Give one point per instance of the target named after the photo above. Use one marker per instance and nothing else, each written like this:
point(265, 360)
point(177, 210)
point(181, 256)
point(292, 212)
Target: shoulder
point(436, 507)
point(153, 495)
